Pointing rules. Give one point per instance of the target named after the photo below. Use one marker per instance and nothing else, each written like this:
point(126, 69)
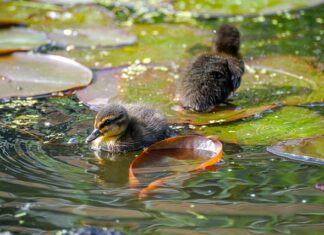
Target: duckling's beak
point(94, 135)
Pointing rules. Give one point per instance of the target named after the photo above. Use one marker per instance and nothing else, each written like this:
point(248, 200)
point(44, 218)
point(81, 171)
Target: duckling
point(129, 127)
point(211, 78)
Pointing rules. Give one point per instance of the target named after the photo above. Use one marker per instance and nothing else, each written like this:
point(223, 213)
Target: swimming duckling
point(129, 127)
point(211, 78)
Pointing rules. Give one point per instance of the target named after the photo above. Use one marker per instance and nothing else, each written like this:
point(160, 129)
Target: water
point(48, 184)
point(50, 180)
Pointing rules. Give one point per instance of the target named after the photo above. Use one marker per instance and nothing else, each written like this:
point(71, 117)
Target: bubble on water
point(252, 195)
point(304, 201)
point(73, 141)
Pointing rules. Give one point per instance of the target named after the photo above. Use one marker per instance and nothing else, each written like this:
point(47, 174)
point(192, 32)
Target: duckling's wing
point(236, 68)
point(146, 126)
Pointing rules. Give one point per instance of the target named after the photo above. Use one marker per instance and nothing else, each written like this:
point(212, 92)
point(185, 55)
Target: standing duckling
point(211, 78)
point(123, 128)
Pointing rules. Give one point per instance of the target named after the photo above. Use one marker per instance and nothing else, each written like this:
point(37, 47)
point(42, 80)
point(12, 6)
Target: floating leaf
point(290, 80)
point(27, 74)
point(159, 43)
point(81, 16)
point(214, 9)
point(64, 2)
point(307, 150)
point(91, 37)
point(47, 17)
point(283, 124)
point(20, 39)
point(154, 85)
point(174, 155)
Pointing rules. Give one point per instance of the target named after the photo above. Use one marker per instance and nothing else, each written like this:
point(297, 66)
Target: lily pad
point(64, 2)
point(283, 124)
point(309, 150)
point(159, 43)
point(154, 85)
point(181, 154)
point(20, 39)
point(91, 37)
point(47, 17)
point(215, 9)
point(290, 80)
point(28, 74)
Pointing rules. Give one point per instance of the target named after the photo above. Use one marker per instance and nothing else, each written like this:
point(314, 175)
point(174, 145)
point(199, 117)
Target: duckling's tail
point(227, 40)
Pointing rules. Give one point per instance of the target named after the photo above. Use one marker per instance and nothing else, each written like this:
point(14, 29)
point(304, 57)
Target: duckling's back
point(210, 78)
point(146, 127)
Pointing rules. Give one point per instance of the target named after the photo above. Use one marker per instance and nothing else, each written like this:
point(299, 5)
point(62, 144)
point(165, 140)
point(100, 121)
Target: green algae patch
point(283, 124)
point(309, 150)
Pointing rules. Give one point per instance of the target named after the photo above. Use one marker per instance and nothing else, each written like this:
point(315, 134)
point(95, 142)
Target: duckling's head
point(227, 40)
point(110, 123)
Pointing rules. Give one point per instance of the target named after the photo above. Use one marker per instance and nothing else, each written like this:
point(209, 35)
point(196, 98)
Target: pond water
point(50, 180)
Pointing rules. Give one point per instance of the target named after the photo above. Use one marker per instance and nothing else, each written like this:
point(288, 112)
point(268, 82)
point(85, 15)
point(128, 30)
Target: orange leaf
point(184, 154)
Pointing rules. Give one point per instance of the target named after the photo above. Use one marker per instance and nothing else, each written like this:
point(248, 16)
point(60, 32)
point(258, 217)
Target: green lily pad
point(20, 39)
point(283, 124)
point(154, 85)
point(290, 80)
point(156, 43)
point(264, 86)
point(81, 16)
point(307, 150)
point(64, 2)
point(27, 74)
point(212, 9)
point(47, 17)
point(91, 37)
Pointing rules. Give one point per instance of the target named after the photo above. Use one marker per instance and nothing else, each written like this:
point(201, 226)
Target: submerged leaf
point(167, 158)
point(27, 74)
point(307, 150)
point(91, 37)
point(20, 39)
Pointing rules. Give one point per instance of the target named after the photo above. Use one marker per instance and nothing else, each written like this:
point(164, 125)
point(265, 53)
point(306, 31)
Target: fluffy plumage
point(128, 127)
point(210, 78)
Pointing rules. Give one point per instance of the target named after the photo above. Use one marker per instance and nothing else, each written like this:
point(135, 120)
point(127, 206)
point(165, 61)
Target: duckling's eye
point(109, 121)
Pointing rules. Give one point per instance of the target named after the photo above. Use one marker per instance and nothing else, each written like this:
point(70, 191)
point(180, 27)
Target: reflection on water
point(49, 185)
